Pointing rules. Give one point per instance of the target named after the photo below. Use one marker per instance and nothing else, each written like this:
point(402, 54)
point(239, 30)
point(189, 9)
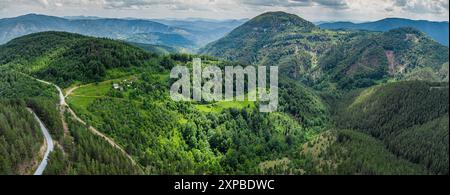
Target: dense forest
point(83, 153)
point(331, 59)
point(398, 53)
point(20, 138)
point(344, 104)
point(176, 138)
point(394, 113)
point(347, 152)
point(65, 58)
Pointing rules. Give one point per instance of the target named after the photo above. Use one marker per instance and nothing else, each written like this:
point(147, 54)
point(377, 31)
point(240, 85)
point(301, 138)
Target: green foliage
point(260, 39)
point(38, 96)
point(374, 56)
point(17, 85)
point(175, 138)
point(79, 58)
point(87, 154)
point(425, 144)
point(20, 138)
point(400, 113)
point(329, 59)
point(88, 60)
point(395, 128)
point(353, 153)
point(303, 104)
point(48, 112)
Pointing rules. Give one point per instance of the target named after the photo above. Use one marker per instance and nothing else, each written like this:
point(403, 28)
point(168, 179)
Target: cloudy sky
point(313, 10)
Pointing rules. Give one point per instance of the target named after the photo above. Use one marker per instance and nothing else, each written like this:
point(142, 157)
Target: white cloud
point(310, 9)
point(423, 6)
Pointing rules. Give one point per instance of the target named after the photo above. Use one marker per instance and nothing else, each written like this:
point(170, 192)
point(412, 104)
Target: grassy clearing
point(98, 89)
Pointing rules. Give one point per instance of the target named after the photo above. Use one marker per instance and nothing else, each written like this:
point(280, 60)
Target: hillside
point(348, 152)
point(344, 107)
point(276, 38)
point(394, 113)
point(344, 59)
point(65, 58)
point(254, 35)
point(21, 138)
point(398, 53)
point(436, 30)
point(197, 138)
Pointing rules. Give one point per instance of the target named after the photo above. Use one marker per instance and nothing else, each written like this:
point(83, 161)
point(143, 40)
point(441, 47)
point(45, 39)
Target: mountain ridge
point(307, 53)
point(196, 33)
point(437, 30)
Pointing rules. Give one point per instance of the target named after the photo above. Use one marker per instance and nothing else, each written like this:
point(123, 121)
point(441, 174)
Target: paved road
point(49, 143)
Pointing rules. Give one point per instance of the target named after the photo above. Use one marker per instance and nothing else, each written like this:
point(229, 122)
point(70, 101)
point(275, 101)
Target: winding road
point(49, 144)
point(64, 104)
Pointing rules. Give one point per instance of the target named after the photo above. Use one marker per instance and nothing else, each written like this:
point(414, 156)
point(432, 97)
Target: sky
point(313, 10)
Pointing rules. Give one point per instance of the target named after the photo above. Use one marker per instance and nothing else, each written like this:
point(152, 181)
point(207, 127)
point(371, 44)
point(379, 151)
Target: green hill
point(275, 38)
point(398, 53)
point(347, 152)
point(411, 118)
point(65, 58)
point(336, 59)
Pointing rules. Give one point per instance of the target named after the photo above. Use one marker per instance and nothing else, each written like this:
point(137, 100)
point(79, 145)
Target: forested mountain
point(398, 53)
point(436, 30)
point(345, 59)
point(20, 138)
point(395, 113)
point(349, 103)
point(254, 41)
point(65, 58)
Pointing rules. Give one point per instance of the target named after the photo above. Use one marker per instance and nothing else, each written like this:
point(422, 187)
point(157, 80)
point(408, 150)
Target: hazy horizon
point(312, 10)
point(208, 19)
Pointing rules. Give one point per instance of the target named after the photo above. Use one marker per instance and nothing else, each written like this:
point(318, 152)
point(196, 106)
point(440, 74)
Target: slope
point(336, 59)
point(411, 118)
point(65, 58)
point(436, 30)
point(398, 53)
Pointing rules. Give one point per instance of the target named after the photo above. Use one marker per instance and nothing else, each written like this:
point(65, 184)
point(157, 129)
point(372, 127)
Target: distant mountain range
point(436, 30)
point(189, 34)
